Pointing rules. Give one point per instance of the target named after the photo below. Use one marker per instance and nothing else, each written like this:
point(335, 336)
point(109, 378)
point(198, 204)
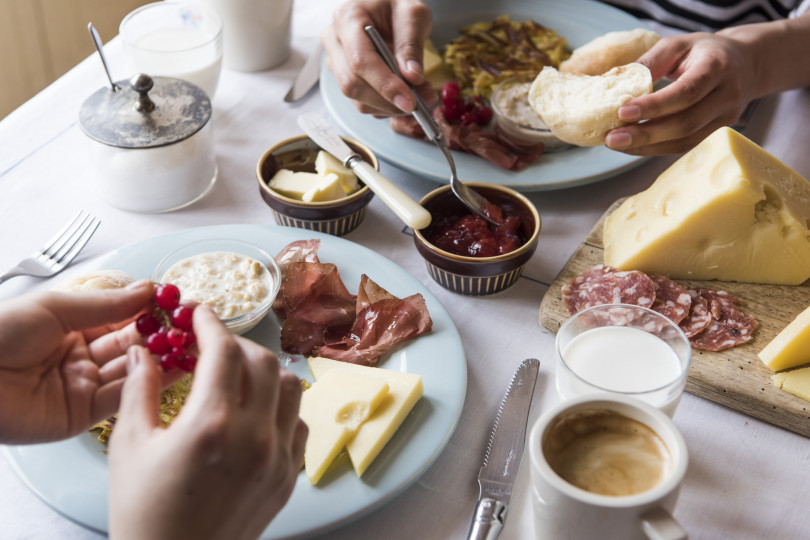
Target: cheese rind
point(726, 210)
point(333, 408)
point(404, 390)
point(797, 382)
point(791, 346)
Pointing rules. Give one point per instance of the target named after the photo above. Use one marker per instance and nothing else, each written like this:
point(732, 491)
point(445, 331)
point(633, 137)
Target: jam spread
point(471, 236)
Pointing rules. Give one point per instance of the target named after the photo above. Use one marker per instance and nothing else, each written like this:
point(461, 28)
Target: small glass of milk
point(623, 349)
point(175, 39)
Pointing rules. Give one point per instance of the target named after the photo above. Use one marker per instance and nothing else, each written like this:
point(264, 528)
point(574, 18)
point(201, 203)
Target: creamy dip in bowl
point(238, 280)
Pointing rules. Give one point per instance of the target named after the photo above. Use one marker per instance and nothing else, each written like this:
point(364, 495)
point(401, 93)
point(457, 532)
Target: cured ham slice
point(472, 139)
point(322, 318)
point(298, 251)
point(378, 328)
point(318, 307)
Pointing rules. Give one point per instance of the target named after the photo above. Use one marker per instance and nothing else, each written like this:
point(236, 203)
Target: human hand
point(62, 360)
point(228, 462)
point(361, 73)
point(712, 78)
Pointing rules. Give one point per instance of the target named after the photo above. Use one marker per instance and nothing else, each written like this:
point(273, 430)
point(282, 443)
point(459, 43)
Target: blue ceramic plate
point(72, 475)
point(578, 20)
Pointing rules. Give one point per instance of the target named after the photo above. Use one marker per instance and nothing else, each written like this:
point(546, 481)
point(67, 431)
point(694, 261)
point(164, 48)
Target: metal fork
point(60, 251)
point(471, 198)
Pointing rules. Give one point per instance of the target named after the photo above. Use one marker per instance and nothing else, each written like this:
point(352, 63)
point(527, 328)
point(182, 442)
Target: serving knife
point(502, 459)
point(409, 211)
point(307, 78)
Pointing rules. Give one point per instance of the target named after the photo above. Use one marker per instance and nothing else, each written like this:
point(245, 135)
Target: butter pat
point(294, 184)
point(726, 210)
point(333, 408)
point(326, 164)
point(791, 347)
point(404, 390)
point(797, 382)
point(328, 189)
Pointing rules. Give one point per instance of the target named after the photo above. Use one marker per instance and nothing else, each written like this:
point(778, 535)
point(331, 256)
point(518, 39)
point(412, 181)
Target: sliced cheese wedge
point(333, 408)
point(404, 390)
point(726, 210)
point(797, 382)
point(791, 346)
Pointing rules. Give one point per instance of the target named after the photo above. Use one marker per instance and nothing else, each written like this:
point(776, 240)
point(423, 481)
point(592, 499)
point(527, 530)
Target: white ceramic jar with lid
point(151, 143)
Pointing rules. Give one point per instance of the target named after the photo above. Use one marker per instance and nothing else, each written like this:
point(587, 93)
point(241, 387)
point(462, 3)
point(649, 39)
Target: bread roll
point(610, 50)
point(96, 281)
point(581, 109)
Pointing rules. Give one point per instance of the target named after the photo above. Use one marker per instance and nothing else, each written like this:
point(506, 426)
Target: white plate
point(578, 20)
point(72, 475)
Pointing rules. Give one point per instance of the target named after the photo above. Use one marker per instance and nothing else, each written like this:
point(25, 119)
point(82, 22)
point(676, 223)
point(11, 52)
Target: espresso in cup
point(605, 452)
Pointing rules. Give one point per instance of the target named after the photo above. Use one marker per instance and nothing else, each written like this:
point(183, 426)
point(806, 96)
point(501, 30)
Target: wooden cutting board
point(736, 377)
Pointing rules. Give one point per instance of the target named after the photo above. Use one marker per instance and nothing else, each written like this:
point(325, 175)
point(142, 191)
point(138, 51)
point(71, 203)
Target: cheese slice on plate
point(726, 210)
point(797, 382)
point(333, 408)
point(791, 346)
point(404, 390)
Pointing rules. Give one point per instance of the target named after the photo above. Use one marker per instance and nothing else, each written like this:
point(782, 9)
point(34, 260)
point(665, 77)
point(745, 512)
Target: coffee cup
point(606, 466)
point(623, 350)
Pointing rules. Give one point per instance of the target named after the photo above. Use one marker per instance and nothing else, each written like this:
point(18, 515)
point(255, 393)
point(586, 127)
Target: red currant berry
point(182, 316)
point(191, 339)
point(483, 115)
point(168, 361)
point(167, 296)
point(187, 362)
point(468, 118)
point(157, 343)
point(176, 337)
point(147, 324)
point(452, 111)
point(450, 93)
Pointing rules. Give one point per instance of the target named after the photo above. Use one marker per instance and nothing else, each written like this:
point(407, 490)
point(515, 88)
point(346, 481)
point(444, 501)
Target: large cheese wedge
point(726, 210)
point(404, 390)
point(791, 347)
point(797, 382)
point(333, 408)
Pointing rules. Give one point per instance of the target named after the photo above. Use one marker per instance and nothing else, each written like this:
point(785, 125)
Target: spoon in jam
point(471, 198)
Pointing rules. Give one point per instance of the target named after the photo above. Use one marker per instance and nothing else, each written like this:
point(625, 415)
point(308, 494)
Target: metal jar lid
point(145, 112)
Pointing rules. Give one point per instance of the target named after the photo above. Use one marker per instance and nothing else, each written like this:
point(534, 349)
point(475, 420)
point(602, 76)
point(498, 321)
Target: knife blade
point(409, 211)
point(502, 459)
point(307, 78)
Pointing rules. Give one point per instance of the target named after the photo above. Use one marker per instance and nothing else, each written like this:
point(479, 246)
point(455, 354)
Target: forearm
point(779, 52)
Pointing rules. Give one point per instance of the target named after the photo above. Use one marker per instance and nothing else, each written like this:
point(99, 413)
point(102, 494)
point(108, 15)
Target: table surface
point(746, 478)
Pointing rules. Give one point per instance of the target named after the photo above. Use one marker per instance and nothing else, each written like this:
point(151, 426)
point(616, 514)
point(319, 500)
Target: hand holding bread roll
point(610, 50)
point(581, 109)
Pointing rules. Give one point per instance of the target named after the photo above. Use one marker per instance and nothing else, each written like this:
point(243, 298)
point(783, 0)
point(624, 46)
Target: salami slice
point(728, 327)
point(606, 285)
point(671, 300)
point(699, 316)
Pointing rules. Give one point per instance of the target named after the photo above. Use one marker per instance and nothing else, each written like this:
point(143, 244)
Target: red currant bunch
point(167, 329)
point(458, 108)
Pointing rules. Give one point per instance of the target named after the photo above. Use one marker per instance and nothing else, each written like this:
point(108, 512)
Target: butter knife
point(502, 459)
point(307, 78)
point(409, 211)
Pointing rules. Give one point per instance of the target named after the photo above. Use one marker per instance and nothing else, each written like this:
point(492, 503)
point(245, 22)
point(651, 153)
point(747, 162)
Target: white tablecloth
point(746, 479)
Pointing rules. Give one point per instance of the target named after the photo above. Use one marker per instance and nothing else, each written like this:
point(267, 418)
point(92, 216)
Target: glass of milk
point(623, 349)
point(175, 39)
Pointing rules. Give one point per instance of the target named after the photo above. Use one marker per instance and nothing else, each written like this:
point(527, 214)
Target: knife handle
point(488, 521)
point(409, 211)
